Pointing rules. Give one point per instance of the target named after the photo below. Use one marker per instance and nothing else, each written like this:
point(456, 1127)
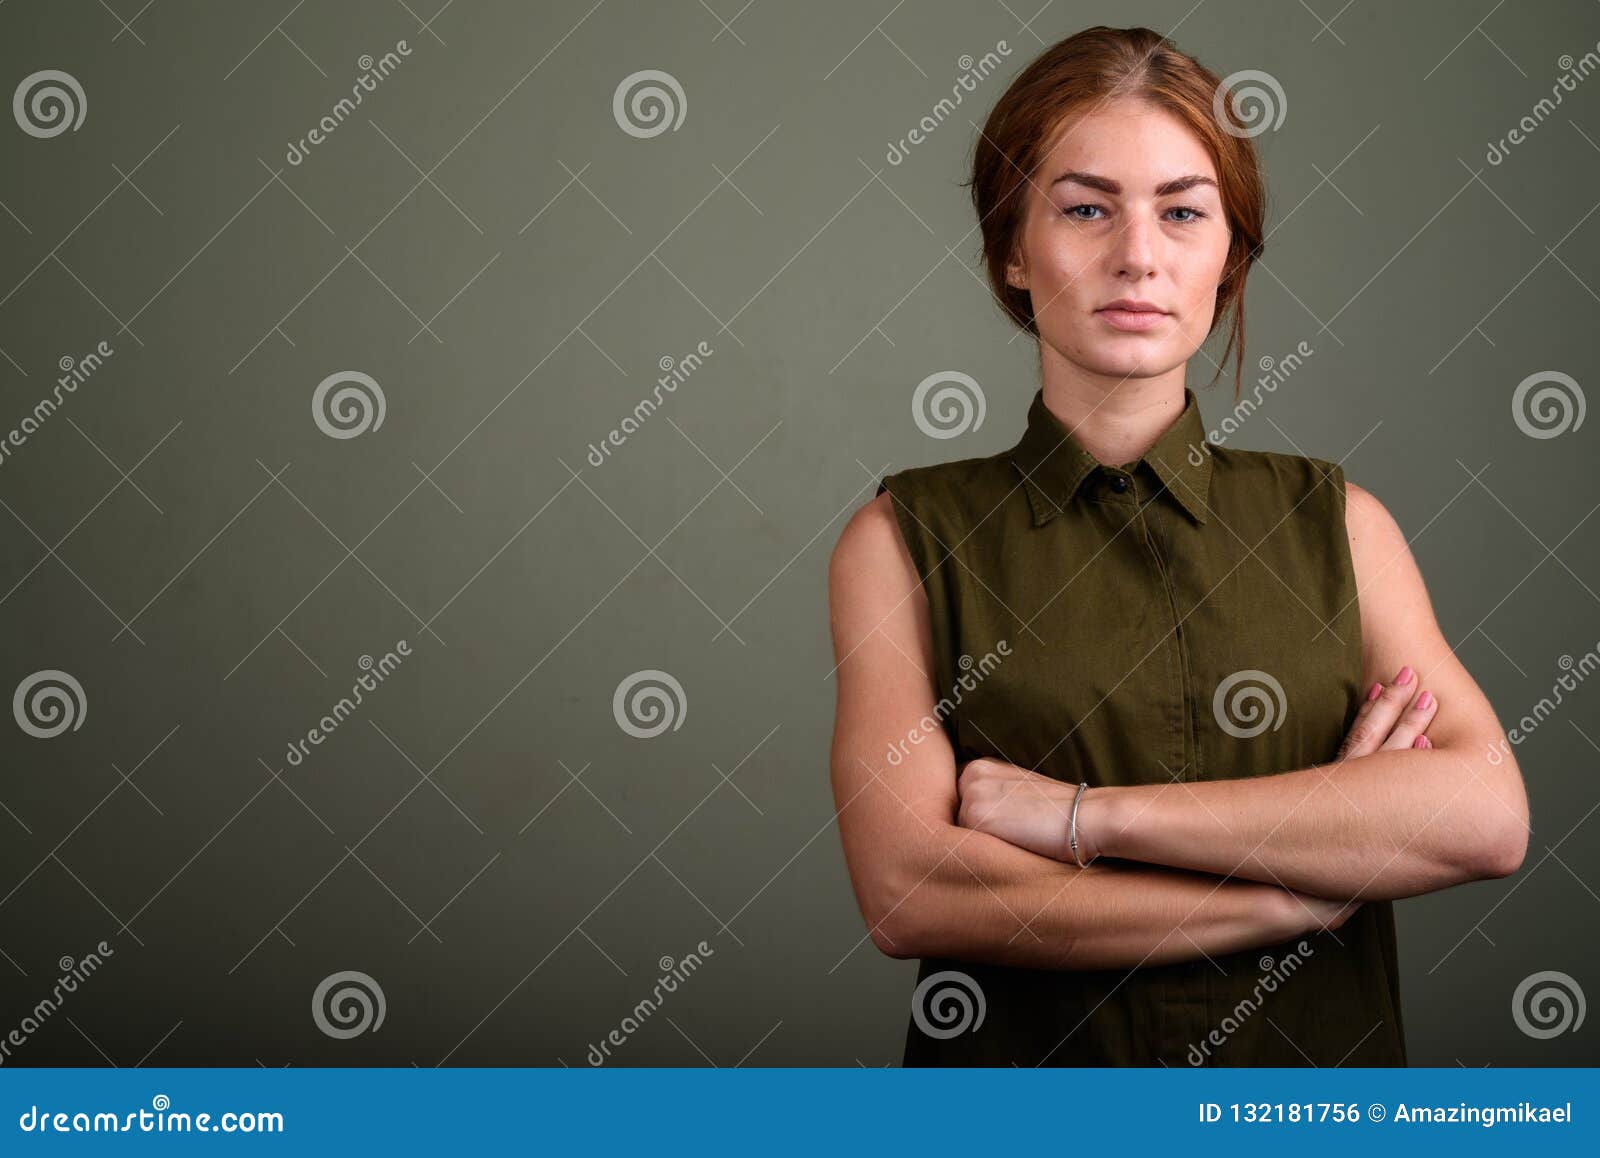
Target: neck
point(1114, 419)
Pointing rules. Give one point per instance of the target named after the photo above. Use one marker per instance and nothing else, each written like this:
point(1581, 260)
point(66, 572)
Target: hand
point(1390, 718)
point(1020, 807)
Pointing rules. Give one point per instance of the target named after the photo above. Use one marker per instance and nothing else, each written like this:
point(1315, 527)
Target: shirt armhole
point(1334, 478)
point(911, 530)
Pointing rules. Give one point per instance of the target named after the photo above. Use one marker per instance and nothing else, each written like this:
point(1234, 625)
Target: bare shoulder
point(1397, 617)
point(871, 573)
point(1377, 544)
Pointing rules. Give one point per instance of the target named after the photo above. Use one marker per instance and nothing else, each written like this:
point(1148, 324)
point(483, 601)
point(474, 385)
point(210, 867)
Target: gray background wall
point(484, 240)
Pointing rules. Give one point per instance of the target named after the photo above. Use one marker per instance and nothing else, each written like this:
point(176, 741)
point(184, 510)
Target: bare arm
point(1392, 822)
point(928, 887)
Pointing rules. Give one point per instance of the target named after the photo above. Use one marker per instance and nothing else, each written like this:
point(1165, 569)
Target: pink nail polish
point(1405, 675)
point(1420, 742)
point(1377, 690)
point(1425, 701)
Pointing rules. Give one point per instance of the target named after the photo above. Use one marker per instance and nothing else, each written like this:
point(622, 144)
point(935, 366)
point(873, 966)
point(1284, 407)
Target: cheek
point(1200, 291)
point(1059, 267)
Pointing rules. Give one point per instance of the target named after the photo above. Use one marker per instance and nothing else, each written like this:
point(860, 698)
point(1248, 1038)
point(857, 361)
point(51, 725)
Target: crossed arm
point(973, 867)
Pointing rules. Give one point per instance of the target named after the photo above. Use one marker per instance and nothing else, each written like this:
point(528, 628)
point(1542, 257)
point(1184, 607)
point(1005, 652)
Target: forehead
point(1129, 140)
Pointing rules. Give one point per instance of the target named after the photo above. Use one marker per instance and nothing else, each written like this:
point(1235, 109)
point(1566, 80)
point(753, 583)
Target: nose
point(1133, 252)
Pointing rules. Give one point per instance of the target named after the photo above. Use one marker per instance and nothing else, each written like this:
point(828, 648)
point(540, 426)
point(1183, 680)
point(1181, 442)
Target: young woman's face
point(1125, 206)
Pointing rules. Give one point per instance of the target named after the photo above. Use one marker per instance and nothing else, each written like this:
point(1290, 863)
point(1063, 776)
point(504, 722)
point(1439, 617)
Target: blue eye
point(1076, 213)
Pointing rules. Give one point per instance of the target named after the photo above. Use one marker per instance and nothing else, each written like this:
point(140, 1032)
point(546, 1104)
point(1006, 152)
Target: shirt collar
point(1053, 465)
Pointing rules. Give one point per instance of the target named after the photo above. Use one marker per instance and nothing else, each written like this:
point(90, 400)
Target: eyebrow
point(1107, 185)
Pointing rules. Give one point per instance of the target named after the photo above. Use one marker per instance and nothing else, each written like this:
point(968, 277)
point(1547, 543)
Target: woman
point(1232, 649)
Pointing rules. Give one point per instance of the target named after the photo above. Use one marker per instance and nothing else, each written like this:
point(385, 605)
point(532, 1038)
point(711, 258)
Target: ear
point(1017, 272)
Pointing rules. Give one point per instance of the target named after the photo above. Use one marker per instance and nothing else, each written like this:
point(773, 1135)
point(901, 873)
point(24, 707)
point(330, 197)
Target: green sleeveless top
point(1189, 616)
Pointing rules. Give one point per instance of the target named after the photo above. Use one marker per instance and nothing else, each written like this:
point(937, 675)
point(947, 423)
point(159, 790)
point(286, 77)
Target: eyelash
point(1070, 211)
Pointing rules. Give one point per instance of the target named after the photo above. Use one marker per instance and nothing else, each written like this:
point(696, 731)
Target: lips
point(1133, 316)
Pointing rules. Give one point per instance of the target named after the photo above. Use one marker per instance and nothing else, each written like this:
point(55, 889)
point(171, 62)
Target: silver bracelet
point(1072, 827)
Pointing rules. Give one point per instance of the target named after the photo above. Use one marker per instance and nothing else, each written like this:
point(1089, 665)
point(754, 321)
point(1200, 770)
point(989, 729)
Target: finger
point(1367, 701)
point(1367, 735)
point(1356, 730)
point(1413, 721)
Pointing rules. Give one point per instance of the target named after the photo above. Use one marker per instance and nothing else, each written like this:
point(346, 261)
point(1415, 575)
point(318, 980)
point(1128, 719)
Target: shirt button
point(1119, 483)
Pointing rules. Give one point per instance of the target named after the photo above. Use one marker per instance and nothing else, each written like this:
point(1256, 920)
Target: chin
point(1128, 365)
point(1120, 359)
